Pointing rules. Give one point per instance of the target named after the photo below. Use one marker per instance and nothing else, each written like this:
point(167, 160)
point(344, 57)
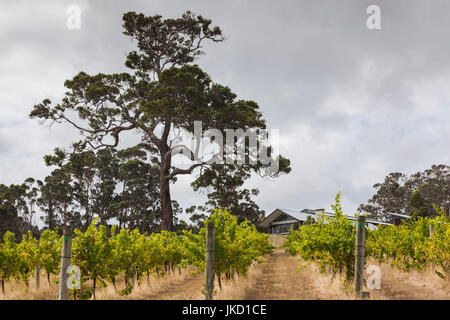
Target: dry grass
point(398, 285)
point(177, 286)
point(277, 240)
point(16, 290)
point(173, 286)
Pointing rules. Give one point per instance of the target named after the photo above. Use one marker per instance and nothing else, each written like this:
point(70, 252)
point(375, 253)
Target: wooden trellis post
point(209, 260)
point(38, 267)
point(65, 263)
point(360, 251)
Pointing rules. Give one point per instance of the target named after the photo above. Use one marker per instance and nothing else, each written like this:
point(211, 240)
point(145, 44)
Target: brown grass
point(412, 285)
point(173, 286)
point(17, 290)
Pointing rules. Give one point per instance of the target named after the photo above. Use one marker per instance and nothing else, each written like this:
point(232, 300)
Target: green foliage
point(329, 242)
point(418, 206)
point(411, 246)
point(50, 252)
point(394, 193)
point(27, 257)
point(102, 256)
point(237, 246)
point(85, 294)
point(8, 256)
point(126, 291)
point(90, 250)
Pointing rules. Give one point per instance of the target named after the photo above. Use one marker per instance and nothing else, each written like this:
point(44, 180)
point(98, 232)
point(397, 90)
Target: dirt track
point(279, 281)
point(183, 289)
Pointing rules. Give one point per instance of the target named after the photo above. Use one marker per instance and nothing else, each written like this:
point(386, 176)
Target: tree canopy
point(406, 194)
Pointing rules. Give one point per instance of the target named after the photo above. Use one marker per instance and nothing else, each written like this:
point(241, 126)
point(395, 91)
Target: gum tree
point(164, 92)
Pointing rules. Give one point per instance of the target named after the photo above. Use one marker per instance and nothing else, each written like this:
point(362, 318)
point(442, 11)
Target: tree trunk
point(137, 277)
point(3, 286)
point(220, 282)
point(94, 285)
point(48, 277)
point(164, 194)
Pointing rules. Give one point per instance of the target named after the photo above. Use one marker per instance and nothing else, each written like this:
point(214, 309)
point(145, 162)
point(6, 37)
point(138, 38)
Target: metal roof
point(399, 215)
point(299, 215)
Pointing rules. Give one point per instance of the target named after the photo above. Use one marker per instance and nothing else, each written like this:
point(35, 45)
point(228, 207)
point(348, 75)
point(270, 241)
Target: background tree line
point(411, 194)
point(119, 187)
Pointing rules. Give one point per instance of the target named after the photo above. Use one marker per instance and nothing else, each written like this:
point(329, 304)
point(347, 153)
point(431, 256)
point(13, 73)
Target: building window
point(281, 228)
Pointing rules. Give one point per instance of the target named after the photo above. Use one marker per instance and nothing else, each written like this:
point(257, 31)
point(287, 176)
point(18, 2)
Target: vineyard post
point(65, 263)
point(360, 248)
point(209, 260)
point(431, 235)
point(38, 267)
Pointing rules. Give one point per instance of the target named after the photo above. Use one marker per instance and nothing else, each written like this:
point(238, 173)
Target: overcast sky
point(351, 104)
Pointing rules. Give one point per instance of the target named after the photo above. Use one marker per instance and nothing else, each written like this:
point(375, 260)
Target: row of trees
point(411, 194)
point(118, 187)
point(102, 254)
point(15, 214)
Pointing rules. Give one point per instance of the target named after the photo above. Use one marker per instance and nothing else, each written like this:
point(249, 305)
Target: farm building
point(280, 221)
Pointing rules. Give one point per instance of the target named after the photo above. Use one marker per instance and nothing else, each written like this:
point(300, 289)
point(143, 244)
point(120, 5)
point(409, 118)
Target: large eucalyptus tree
point(163, 92)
